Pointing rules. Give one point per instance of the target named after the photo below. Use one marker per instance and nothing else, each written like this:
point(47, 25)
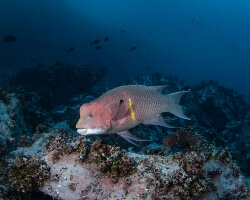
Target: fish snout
point(79, 124)
point(80, 127)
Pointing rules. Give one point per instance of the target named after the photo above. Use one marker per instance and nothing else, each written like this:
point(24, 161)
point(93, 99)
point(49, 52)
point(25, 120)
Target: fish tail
point(173, 106)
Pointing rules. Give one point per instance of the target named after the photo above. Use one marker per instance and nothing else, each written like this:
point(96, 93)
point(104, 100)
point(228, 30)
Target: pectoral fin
point(159, 121)
point(122, 112)
point(131, 141)
point(131, 138)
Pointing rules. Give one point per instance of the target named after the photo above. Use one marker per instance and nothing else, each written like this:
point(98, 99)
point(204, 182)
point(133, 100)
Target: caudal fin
point(172, 104)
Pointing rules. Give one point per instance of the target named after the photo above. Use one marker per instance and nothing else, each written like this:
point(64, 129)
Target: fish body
point(123, 108)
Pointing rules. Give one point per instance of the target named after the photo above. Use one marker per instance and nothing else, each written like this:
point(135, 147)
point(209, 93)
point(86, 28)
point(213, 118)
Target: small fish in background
point(94, 42)
point(106, 39)
point(70, 49)
point(9, 39)
point(133, 48)
point(195, 21)
point(182, 137)
point(98, 47)
point(122, 31)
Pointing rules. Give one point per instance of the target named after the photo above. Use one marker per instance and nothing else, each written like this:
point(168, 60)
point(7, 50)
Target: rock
point(57, 84)
point(104, 171)
point(234, 126)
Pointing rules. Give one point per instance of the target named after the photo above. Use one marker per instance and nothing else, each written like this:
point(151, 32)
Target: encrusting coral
point(111, 160)
point(103, 171)
point(28, 174)
point(70, 168)
point(106, 158)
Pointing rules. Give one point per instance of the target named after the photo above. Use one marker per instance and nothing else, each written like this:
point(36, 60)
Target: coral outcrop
point(70, 168)
point(15, 117)
point(58, 83)
point(41, 153)
point(28, 174)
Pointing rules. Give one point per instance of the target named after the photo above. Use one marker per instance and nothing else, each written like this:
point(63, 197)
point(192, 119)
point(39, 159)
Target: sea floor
point(43, 157)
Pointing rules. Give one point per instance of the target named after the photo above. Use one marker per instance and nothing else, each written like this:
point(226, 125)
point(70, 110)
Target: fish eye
point(90, 116)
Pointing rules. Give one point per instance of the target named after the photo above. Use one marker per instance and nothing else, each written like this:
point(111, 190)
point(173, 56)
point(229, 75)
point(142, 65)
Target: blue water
point(194, 40)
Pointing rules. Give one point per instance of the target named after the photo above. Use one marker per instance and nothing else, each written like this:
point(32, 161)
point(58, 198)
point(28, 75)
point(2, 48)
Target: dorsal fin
point(158, 88)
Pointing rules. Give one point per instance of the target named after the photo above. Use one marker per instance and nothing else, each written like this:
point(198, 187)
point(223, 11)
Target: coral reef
point(70, 169)
point(25, 141)
point(222, 114)
point(218, 107)
point(4, 182)
point(182, 175)
point(28, 174)
point(41, 154)
point(55, 88)
point(14, 120)
point(2, 150)
point(108, 159)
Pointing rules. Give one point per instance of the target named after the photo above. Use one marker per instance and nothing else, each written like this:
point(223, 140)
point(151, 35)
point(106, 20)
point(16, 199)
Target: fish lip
point(82, 131)
point(90, 131)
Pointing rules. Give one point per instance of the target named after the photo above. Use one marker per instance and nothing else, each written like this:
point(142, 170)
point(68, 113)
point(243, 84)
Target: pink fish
point(123, 108)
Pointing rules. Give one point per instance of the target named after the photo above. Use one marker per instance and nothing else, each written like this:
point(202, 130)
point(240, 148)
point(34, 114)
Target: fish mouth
point(90, 131)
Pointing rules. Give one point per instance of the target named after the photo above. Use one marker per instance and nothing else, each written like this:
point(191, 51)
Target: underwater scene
point(124, 100)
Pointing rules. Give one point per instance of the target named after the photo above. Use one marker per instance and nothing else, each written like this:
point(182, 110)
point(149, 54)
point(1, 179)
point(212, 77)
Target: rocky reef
point(28, 174)
point(17, 117)
point(42, 157)
point(58, 83)
point(70, 168)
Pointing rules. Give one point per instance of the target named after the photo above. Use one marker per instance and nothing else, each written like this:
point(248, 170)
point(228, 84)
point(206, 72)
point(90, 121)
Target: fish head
point(94, 119)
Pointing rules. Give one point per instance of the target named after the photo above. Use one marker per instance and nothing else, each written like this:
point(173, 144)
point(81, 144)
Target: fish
point(133, 48)
point(70, 49)
point(181, 139)
point(94, 42)
point(124, 107)
point(9, 39)
point(106, 39)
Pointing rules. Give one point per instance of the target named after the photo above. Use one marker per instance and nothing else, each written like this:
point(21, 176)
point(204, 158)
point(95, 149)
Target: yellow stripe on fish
point(131, 109)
